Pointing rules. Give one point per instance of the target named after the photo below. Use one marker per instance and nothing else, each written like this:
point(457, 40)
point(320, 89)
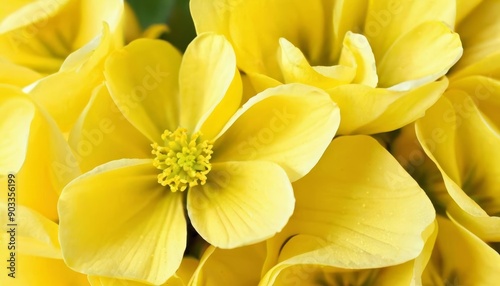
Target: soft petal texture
point(241, 203)
point(47, 162)
point(35, 234)
point(101, 128)
point(180, 278)
point(17, 75)
point(348, 16)
point(485, 92)
point(478, 32)
point(295, 68)
point(464, 7)
point(38, 256)
point(309, 273)
point(256, 52)
point(461, 258)
point(397, 66)
point(17, 112)
point(207, 71)
point(41, 34)
point(366, 110)
point(272, 126)
point(358, 208)
point(143, 81)
point(358, 47)
point(65, 93)
point(467, 156)
point(117, 221)
point(239, 266)
point(388, 20)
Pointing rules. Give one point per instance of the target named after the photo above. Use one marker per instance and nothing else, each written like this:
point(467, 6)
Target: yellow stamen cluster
point(183, 159)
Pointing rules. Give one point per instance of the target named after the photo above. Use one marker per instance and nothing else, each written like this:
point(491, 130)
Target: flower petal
point(465, 149)
point(460, 258)
point(485, 92)
point(387, 20)
point(481, 54)
point(65, 93)
point(358, 47)
point(272, 126)
point(143, 81)
point(422, 55)
point(345, 211)
point(239, 266)
point(103, 134)
point(17, 112)
point(295, 68)
point(376, 110)
point(241, 203)
point(17, 75)
point(294, 20)
point(117, 221)
point(207, 73)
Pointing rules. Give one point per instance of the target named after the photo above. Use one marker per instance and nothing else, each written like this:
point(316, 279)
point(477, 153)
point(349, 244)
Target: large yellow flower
point(192, 150)
point(378, 60)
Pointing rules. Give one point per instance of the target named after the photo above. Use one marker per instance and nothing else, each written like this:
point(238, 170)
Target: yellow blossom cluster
point(323, 142)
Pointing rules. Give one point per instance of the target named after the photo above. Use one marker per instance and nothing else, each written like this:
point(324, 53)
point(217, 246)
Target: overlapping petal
point(466, 153)
point(356, 209)
point(101, 128)
point(239, 266)
point(241, 203)
point(143, 81)
point(271, 126)
point(461, 258)
point(98, 237)
point(208, 101)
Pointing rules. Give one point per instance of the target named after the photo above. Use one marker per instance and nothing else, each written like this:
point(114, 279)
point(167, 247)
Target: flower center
point(184, 160)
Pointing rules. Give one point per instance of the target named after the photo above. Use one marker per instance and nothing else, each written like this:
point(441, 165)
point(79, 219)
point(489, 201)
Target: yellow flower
point(191, 149)
point(41, 34)
point(37, 258)
point(461, 258)
point(464, 146)
point(357, 209)
point(35, 151)
point(66, 41)
point(378, 60)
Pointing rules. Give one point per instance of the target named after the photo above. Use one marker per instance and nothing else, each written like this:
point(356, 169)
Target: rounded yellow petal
point(366, 110)
point(422, 55)
point(208, 77)
point(290, 125)
point(103, 134)
point(388, 20)
point(143, 81)
point(241, 203)
point(117, 221)
point(358, 208)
